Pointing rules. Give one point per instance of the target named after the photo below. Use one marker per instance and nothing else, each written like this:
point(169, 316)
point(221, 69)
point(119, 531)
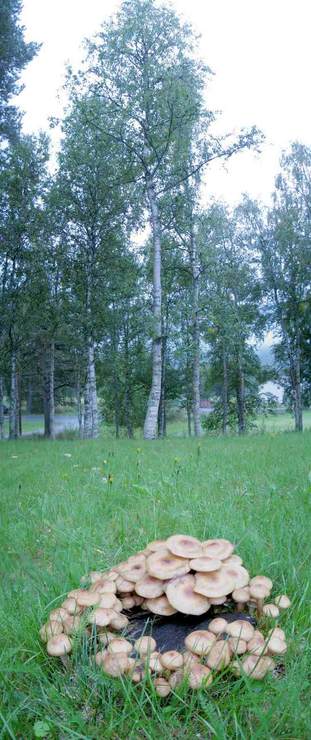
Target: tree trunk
point(297, 389)
point(225, 393)
point(1, 408)
point(127, 393)
point(29, 396)
point(90, 396)
point(13, 431)
point(189, 417)
point(48, 391)
point(79, 400)
point(116, 408)
point(195, 335)
point(162, 409)
point(151, 420)
point(19, 386)
point(240, 396)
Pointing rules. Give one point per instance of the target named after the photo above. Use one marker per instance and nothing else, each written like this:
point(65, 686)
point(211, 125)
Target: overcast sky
point(259, 50)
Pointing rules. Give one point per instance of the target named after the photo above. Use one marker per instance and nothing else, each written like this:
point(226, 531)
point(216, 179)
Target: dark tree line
point(91, 314)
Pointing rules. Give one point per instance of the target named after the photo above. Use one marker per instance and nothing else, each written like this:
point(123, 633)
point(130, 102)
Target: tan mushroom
point(162, 686)
point(242, 629)
point(214, 585)
point(218, 548)
point(276, 646)
point(237, 646)
point(189, 659)
point(262, 579)
point(283, 602)
point(200, 642)
point(217, 602)
point(238, 573)
point(115, 664)
point(99, 657)
point(119, 645)
point(277, 632)
point(50, 629)
point(161, 606)
point(199, 676)
point(104, 587)
point(134, 569)
point(72, 624)
point(153, 662)
point(145, 645)
point(71, 606)
point(171, 660)
point(101, 617)
point(128, 602)
point(255, 667)
point(219, 656)
point(156, 545)
point(124, 586)
point(259, 591)
point(271, 610)
point(176, 678)
point(218, 626)
point(149, 587)
point(205, 565)
point(107, 601)
point(241, 596)
point(181, 595)
point(59, 645)
point(164, 565)
point(257, 646)
point(58, 615)
point(118, 621)
point(88, 598)
point(106, 637)
point(184, 546)
point(233, 560)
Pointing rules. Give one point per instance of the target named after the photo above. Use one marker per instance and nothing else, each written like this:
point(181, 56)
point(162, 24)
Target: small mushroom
point(153, 662)
point(257, 667)
point(59, 645)
point(181, 595)
point(184, 546)
point(217, 601)
point(101, 617)
point(176, 678)
point(257, 646)
point(106, 637)
point(119, 621)
point(189, 659)
point(219, 656)
point(128, 602)
point(220, 549)
point(237, 646)
point(218, 625)
point(238, 573)
point(118, 606)
point(199, 675)
point(156, 545)
point(99, 657)
point(277, 632)
point(88, 598)
point(72, 624)
point(124, 586)
point(283, 602)
point(149, 587)
point(216, 584)
point(145, 645)
point(171, 660)
point(276, 646)
point(205, 564)
point(104, 587)
point(115, 664)
point(233, 560)
point(134, 569)
point(160, 606)
point(259, 591)
point(58, 615)
point(262, 579)
point(50, 629)
point(241, 628)
point(200, 642)
point(271, 610)
point(162, 686)
point(120, 645)
point(71, 606)
point(241, 596)
point(107, 601)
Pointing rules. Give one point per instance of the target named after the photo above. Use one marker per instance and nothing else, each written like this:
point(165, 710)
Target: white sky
point(259, 50)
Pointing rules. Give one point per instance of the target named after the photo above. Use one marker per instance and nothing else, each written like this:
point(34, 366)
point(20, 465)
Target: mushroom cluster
point(184, 576)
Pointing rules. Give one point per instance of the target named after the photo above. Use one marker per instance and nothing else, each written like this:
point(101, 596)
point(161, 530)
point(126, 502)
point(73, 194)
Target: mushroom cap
point(282, 601)
point(153, 662)
point(120, 645)
point(262, 579)
point(233, 560)
point(277, 632)
point(72, 624)
point(157, 545)
point(217, 548)
point(59, 645)
point(238, 573)
point(164, 565)
point(271, 610)
point(106, 637)
point(118, 621)
point(241, 595)
point(134, 569)
point(217, 602)
point(107, 601)
point(71, 606)
point(99, 657)
point(276, 646)
point(258, 590)
point(181, 595)
point(189, 659)
point(128, 602)
point(58, 615)
point(257, 646)
point(200, 642)
point(242, 629)
point(257, 667)
point(104, 587)
point(237, 646)
point(160, 605)
point(101, 616)
point(137, 673)
point(88, 598)
point(218, 583)
point(184, 546)
point(171, 660)
point(205, 565)
point(115, 664)
point(124, 586)
point(162, 686)
point(199, 675)
point(118, 606)
point(218, 626)
point(149, 587)
point(145, 645)
point(219, 656)
point(50, 629)
point(176, 678)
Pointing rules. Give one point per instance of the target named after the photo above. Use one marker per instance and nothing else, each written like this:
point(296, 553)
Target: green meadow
point(71, 506)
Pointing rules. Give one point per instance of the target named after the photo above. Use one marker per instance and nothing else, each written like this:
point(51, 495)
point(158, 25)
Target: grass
point(61, 518)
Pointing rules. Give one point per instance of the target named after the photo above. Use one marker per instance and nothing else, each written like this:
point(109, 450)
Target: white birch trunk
point(151, 420)
point(91, 421)
point(14, 425)
point(196, 337)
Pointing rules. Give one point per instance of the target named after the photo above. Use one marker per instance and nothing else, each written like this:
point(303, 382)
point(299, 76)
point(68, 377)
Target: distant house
point(206, 406)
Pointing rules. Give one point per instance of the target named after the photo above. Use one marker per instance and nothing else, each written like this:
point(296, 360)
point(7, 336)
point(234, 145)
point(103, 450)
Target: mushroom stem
point(259, 604)
point(65, 661)
point(240, 606)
